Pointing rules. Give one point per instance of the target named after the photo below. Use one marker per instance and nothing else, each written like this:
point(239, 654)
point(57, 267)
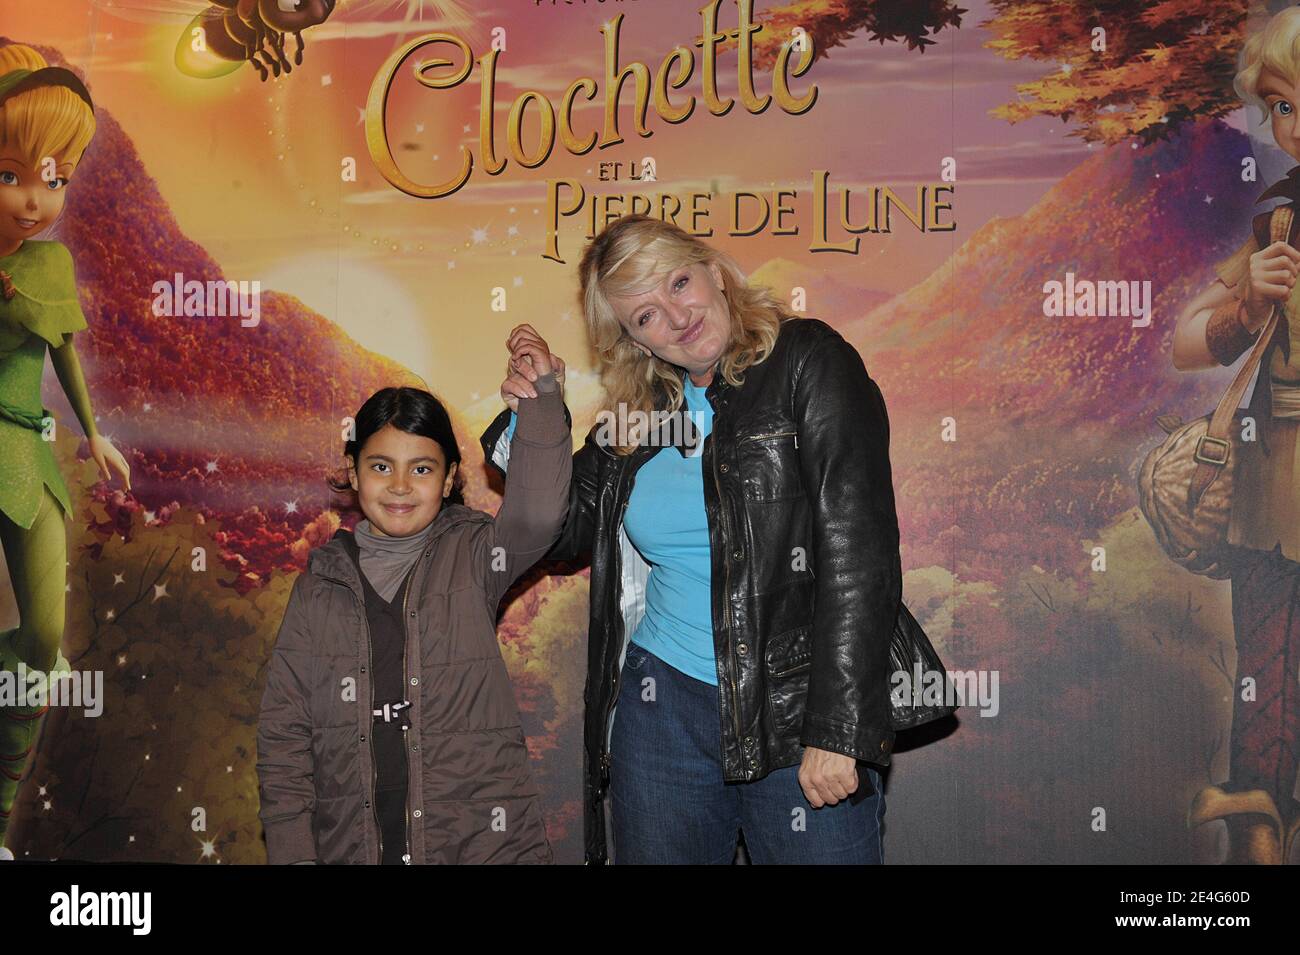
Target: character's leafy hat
point(20, 81)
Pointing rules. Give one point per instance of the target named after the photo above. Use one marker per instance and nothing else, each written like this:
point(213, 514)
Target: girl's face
point(400, 481)
point(31, 196)
point(1283, 100)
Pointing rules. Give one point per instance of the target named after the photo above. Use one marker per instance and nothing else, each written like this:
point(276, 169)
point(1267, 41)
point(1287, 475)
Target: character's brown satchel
point(1185, 485)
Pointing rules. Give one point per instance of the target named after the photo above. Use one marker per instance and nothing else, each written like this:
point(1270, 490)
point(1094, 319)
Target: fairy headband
point(20, 81)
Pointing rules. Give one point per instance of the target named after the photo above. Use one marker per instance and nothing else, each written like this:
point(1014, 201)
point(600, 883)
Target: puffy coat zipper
point(406, 796)
point(370, 736)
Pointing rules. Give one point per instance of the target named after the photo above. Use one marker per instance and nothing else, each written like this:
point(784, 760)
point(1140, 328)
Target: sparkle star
point(210, 466)
point(479, 236)
point(118, 579)
point(291, 507)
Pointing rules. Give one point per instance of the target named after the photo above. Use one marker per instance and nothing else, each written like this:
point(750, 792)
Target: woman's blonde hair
point(633, 255)
point(49, 121)
point(1274, 49)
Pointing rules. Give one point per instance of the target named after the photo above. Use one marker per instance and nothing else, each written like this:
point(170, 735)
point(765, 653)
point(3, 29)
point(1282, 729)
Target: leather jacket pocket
point(768, 462)
point(789, 660)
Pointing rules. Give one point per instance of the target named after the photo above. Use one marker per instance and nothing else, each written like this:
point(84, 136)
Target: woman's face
point(684, 320)
point(1282, 99)
point(31, 197)
point(400, 481)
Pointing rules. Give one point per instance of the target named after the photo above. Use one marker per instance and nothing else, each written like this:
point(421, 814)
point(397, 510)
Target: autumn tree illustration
point(830, 23)
point(1122, 69)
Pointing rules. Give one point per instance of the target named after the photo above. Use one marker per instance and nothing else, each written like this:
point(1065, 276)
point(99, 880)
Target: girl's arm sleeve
point(285, 770)
point(536, 499)
point(68, 367)
point(576, 538)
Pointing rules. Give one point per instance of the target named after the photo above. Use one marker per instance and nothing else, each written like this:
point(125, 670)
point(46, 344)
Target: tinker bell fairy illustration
point(46, 122)
point(1258, 802)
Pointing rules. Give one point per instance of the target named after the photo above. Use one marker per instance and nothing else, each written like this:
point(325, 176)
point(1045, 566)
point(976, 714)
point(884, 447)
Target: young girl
point(46, 122)
point(389, 733)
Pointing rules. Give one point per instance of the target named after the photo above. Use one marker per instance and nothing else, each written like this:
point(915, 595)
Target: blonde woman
point(743, 588)
point(1257, 802)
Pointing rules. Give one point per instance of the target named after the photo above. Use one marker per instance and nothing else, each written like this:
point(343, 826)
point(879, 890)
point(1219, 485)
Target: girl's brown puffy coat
point(471, 797)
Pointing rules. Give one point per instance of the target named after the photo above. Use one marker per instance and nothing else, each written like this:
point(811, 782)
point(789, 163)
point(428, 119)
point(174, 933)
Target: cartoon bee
point(256, 31)
point(219, 36)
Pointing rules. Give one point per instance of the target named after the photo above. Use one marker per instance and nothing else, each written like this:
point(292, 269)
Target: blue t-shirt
point(666, 522)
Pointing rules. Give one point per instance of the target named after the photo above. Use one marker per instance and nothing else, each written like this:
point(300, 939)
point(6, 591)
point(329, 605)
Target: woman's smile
point(691, 333)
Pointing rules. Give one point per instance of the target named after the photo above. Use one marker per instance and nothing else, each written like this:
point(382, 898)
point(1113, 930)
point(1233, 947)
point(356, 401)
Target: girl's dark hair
point(411, 410)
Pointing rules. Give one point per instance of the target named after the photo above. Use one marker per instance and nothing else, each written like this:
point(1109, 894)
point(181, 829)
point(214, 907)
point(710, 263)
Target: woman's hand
point(529, 358)
point(1270, 279)
point(827, 777)
point(109, 460)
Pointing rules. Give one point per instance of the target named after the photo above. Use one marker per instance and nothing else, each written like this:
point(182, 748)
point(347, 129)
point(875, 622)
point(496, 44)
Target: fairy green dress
point(38, 309)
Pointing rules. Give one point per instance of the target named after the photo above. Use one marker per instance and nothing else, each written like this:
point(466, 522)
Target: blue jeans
point(670, 805)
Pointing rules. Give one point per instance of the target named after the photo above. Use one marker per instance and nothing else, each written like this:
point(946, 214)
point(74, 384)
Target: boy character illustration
point(1258, 801)
point(46, 121)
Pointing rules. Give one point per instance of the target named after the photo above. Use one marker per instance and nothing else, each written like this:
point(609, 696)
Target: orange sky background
point(252, 170)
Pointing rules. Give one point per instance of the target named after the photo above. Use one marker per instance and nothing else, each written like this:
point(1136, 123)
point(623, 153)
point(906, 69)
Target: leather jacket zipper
point(605, 757)
point(774, 434)
point(726, 616)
